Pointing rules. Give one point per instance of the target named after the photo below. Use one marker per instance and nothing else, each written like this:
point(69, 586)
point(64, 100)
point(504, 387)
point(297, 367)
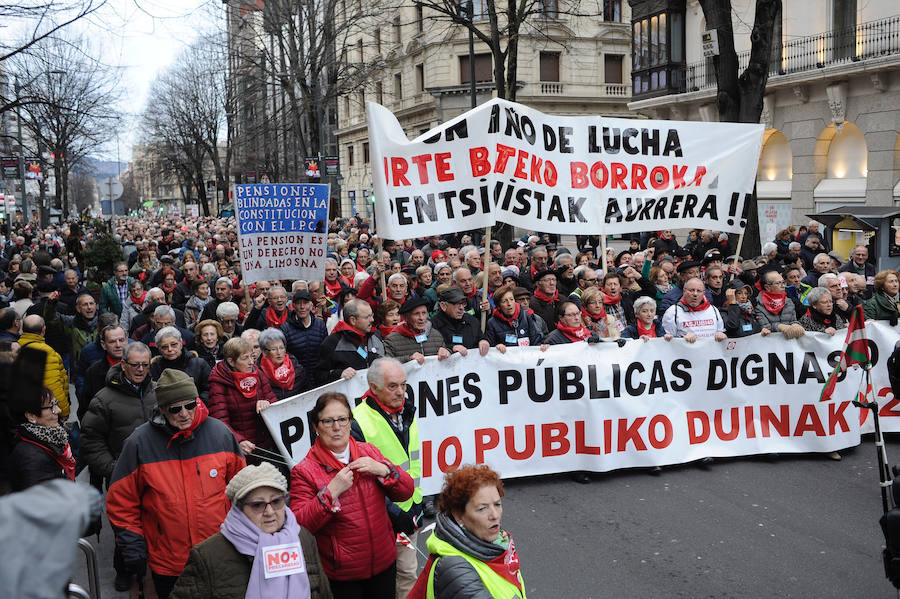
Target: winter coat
point(180, 295)
point(303, 341)
point(454, 577)
point(497, 330)
point(229, 405)
point(402, 348)
point(32, 462)
point(546, 310)
point(769, 320)
point(299, 380)
point(216, 570)
point(740, 323)
point(868, 271)
point(130, 311)
point(880, 307)
point(356, 541)
point(113, 414)
point(192, 310)
point(814, 326)
point(339, 351)
point(167, 492)
point(466, 331)
point(190, 364)
point(210, 356)
point(631, 331)
point(55, 377)
point(79, 330)
point(94, 380)
point(109, 296)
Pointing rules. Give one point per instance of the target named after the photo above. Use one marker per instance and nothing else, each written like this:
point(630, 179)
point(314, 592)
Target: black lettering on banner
point(452, 393)
point(570, 385)
point(292, 431)
point(595, 391)
point(473, 399)
point(508, 380)
point(810, 369)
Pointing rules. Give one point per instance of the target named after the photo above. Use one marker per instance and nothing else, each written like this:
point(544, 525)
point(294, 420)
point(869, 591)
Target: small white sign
point(283, 560)
point(710, 41)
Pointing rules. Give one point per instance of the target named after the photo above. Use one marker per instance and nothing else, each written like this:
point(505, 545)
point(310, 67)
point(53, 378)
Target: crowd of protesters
point(173, 358)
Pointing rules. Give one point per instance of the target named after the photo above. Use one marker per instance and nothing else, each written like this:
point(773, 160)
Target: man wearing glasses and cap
point(167, 491)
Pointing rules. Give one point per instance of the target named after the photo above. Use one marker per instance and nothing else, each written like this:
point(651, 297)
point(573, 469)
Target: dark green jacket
point(881, 307)
point(109, 297)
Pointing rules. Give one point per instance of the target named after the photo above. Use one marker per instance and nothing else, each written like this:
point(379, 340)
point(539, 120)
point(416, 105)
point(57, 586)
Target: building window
point(396, 30)
point(612, 11)
point(484, 70)
point(347, 107)
point(359, 50)
point(379, 93)
point(420, 77)
point(549, 8)
point(420, 18)
point(366, 152)
point(612, 68)
point(398, 86)
point(361, 98)
point(657, 44)
point(350, 155)
point(378, 41)
point(549, 66)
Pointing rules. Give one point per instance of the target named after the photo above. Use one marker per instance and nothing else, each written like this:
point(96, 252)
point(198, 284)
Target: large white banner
point(507, 162)
point(603, 407)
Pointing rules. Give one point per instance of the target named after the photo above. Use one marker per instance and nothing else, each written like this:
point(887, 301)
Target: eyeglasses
point(138, 365)
point(173, 410)
point(341, 422)
point(276, 349)
point(259, 507)
point(53, 404)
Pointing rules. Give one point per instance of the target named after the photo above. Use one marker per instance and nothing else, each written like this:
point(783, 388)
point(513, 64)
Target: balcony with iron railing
point(865, 41)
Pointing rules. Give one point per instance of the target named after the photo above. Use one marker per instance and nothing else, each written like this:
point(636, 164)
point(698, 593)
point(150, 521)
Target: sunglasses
point(186, 406)
point(259, 507)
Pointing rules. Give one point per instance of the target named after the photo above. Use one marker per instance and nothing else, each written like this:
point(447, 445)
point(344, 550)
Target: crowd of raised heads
point(164, 350)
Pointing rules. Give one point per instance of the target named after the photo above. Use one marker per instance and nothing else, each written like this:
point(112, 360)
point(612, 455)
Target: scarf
point(282, 376)
point(55, 441)
point(508, 319)
point(506, 565)
point(773, 302)
point(703, 305)
point(471, 294)
point(595, 319)
point(826, 320)
point(168, 290)
point(138, 301)
point(573, 334)
point(649, 332)
point(546, 298)
point(246, 382)
point(275, 320)
point(746, 307)
point(249, 540)
point(403, 329)
point(343, 326)
point(200, 415)
point(111, 361)
point(323, 455)
point(664, 289)
point(369, 395)
point(385, 330)
point(609, 300)
point(332, 289)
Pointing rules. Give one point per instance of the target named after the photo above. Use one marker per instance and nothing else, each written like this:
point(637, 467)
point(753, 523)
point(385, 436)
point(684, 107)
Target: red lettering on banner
point(607, 436)
point(426, 459)
point(550, 175)
point(580, 446)
point(678, 174)
point(554, 433)
point(809, 421)
point(887, 410)
point(443, 464)
point(485, 439)
point(578, 172)
point(638, 174)
point(504, 153)
point(836, 417)
point(398, 170)
point(619, 172)
point(520, 165)
point(599, 175)
point(767, 419)
point(659, 177)
point(750, 422)
point(693, 417)
point(478, 158)
point(668, 433)
point(735, 425)
point(509, 438)
point(442, 166)
point(536, 169)
point(630, 433)
point(698, 176)
point(421, 161)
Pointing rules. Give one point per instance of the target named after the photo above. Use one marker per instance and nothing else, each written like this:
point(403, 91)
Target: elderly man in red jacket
point(168, 486)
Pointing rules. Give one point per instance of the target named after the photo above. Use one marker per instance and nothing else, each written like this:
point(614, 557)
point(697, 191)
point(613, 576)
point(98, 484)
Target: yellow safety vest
point(379, 433)
point(496, 585)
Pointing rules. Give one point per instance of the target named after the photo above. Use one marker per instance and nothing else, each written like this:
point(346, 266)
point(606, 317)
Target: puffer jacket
point(402, 347)
point(770, 320)
point(454, 577)
point(215, 570)
point(497, 330)
point(356, 541)
point(341, 349)
point(229, 405)
point(55, 377)
point(113, 414)
point(303, 342)
point(167, 492)
point(188, 363)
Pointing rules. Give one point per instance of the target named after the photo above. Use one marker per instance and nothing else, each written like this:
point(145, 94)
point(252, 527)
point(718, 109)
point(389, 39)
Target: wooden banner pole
point(486, 263)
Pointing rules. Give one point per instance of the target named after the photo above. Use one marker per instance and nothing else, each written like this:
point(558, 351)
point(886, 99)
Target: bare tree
point(74, 107)
point(740, 96)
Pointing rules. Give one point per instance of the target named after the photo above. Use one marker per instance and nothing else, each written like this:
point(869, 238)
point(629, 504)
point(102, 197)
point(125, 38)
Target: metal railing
point(853, 44)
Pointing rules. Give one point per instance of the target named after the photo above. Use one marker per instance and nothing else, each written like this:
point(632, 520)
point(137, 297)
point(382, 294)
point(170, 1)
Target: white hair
point(227, 309)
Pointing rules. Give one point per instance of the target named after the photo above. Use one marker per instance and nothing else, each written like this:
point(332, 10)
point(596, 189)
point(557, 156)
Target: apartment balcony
point(604, 91)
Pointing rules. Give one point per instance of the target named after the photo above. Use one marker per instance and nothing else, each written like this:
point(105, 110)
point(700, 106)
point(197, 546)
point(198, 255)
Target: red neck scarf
point(332, 289)
point(508, 319)
point(546, 298)
point(573, 334)
point(385, 330)
point(65, 460)
point(609, 300)
point(169, 289)
point(369, 395)
point(591, 317)
point(282, 376)
point(404, 330)
point(825, 319)
point(274, 320)
point(703, 305)
point(773, 302)
point(349, 282)
point(138, 301)
point(649, 332)
point(323, 455)
point(246, 382)
point(471, 294)
point(200, 415)
point(506, 565)
point(111, 361)
point(343, 326)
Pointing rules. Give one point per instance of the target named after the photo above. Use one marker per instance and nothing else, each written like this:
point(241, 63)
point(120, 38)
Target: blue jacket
point(303, 342)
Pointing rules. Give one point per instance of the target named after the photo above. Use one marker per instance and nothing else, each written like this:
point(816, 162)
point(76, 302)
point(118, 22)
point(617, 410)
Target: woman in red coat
point(338, 493)
point(238, 394)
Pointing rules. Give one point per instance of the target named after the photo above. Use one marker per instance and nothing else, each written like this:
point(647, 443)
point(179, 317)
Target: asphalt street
point(781, 526)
